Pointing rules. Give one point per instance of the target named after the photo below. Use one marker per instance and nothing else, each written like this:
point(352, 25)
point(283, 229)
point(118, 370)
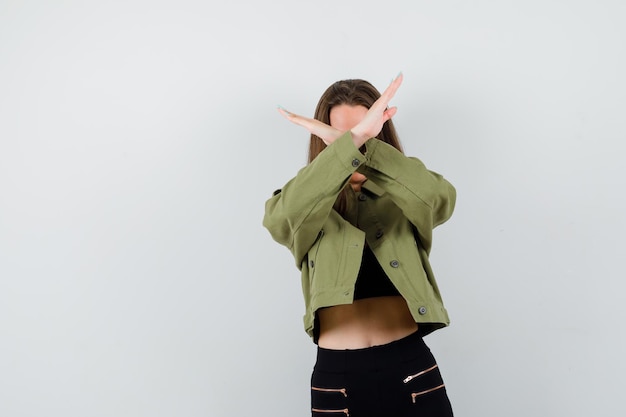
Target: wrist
point(358, 138)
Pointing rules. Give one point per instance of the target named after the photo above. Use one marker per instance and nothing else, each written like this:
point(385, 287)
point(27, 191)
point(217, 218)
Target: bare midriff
point(365, 323)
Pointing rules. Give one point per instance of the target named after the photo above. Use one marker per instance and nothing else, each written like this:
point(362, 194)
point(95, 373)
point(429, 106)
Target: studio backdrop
point(140, 139)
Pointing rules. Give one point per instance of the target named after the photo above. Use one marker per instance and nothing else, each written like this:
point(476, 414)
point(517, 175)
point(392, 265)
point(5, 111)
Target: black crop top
point(372, 280)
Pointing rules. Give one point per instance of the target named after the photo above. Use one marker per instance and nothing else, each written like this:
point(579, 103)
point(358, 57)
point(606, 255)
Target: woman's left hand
point(371, 125)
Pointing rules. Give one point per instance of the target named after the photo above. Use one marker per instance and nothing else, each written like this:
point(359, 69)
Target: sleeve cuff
point(347, 153)
point(383, 157)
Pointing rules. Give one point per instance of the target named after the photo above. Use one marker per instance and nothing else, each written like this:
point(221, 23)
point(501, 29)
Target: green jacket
point(399, 205)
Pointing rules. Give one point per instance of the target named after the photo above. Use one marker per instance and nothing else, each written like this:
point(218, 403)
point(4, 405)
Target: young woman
point(358, 220)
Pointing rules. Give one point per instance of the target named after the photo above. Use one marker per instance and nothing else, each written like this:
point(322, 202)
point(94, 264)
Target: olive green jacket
point(399, 205)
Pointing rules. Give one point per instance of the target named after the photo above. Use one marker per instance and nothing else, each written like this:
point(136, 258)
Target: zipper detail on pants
point(341, 390)
point(345, 411)
point(417, 394)
point(410, 377)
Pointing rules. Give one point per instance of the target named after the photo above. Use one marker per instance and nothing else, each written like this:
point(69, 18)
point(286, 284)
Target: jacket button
point(394, 264)
point(362, 197)
point(422, 310)
point(355, 162)
point(312, 264)
point(379, 234)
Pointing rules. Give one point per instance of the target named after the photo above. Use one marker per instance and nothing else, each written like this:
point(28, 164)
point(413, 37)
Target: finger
point(286, 113)
point(388, 94)
point(393, 87)
point(389, 113)
point(312, 125)
point(294, 118)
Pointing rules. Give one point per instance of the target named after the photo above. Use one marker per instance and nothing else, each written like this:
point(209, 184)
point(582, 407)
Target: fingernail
point(396, 77)
point(283, 109)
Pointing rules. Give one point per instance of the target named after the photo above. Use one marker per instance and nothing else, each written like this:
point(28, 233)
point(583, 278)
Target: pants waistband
point(375, 357)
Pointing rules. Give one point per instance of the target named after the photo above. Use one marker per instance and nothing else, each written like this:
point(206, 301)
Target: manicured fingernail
point(396, 77)
point(284, 109)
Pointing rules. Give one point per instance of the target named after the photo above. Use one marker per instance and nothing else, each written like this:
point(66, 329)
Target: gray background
point(140, 139)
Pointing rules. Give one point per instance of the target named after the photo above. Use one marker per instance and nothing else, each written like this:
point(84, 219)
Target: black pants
point(399, 379)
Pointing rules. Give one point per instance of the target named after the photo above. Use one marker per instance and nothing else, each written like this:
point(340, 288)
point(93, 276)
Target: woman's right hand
point(327, 133)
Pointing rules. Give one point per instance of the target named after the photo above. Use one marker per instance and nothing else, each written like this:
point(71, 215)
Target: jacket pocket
point(312, 254)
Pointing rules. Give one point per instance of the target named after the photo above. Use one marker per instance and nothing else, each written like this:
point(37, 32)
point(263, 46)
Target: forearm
point(296, 213)
point(426, 198)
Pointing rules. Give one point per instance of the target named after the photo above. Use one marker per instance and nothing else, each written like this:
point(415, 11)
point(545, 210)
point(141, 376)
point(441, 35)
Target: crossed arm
point(369, 127)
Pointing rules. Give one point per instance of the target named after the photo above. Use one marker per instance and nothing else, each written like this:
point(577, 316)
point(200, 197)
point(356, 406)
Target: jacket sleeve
point(425, 197)
point(296, 213)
